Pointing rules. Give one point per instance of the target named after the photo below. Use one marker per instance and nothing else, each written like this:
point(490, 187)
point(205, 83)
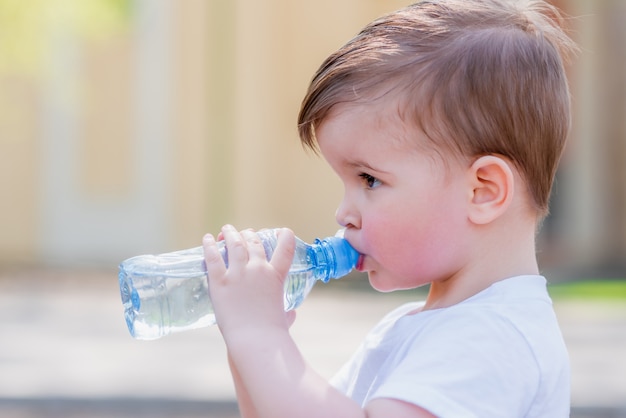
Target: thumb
point(291, 317)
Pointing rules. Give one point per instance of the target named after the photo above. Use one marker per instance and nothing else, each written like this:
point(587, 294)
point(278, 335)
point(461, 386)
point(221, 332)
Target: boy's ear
point(492, 188)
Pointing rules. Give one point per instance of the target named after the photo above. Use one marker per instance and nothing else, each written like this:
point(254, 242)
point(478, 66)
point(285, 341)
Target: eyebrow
point(360, 164)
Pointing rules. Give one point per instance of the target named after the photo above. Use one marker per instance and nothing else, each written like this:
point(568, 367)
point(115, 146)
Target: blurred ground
point(65, 351)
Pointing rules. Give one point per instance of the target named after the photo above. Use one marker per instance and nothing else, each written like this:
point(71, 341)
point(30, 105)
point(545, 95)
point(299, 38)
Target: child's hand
point(248, 295)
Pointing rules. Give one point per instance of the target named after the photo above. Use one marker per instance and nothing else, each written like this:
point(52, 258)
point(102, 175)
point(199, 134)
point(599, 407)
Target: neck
point(505, 251)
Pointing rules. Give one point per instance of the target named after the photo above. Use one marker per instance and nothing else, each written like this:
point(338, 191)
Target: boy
point(445, 122)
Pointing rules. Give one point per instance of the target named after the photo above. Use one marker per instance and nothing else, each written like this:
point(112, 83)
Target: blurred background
point(135, 126)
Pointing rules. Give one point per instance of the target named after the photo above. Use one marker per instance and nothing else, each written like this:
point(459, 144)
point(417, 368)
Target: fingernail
point(208, 239)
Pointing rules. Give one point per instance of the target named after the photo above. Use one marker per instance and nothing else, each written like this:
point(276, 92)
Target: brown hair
point(476, 76)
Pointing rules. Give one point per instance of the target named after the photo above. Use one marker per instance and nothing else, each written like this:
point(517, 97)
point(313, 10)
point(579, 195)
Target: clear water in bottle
point(165, 293)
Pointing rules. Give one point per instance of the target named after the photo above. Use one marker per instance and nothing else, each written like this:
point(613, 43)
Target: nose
point(347, 215)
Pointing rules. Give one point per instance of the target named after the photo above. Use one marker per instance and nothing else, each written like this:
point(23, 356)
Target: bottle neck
point(324, 260)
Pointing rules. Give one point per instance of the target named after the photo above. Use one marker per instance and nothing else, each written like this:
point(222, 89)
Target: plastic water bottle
point(169, 292)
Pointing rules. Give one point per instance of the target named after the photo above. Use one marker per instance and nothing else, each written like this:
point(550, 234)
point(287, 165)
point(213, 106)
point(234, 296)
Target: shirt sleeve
point(344, 379)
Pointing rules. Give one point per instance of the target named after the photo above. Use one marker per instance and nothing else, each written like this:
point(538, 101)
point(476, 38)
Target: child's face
point(402, 207)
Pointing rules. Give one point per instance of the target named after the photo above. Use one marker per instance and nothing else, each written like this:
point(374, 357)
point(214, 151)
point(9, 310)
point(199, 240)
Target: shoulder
point(387, 322)
point(513, 318)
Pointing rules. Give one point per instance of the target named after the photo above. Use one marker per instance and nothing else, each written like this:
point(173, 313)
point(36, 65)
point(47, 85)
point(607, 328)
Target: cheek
point(414, 247)
point(392, 238)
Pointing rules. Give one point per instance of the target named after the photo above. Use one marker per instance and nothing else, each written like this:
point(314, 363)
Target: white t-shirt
point(499, 354)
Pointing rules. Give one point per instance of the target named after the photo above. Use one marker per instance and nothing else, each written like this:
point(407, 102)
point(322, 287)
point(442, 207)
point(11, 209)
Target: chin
point(385, 283)
point(380, 283)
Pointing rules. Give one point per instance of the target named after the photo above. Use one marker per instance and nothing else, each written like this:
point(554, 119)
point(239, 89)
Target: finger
point(213, 258)
point(291, 317)
point(285, 248)
point(236, 245)
point(254, 244)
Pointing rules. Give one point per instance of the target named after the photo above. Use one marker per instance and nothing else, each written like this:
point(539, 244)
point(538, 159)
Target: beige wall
point(590, 212)
point(18, 168)
point(241, 70)
point(261, 58)
point(143, 139)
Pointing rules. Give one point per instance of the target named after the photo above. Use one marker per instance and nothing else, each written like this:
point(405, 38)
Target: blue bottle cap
point(344, 256)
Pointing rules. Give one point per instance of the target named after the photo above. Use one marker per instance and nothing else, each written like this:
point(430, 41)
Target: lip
point(359, 263)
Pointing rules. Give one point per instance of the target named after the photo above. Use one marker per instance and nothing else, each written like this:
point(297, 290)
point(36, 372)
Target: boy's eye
point(369, 180)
